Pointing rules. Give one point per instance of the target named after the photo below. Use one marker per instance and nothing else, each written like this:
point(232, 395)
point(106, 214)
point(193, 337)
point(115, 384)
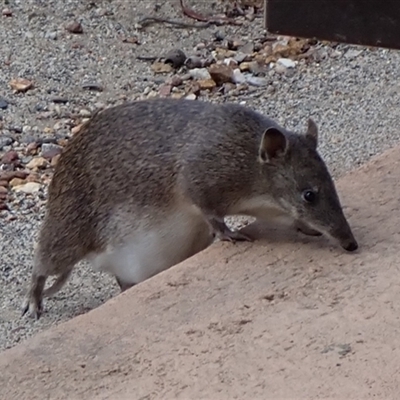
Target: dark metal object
point(362, 22)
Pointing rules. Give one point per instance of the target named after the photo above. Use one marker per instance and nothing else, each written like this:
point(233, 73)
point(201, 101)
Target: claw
point(225, 234)
point(124, 286)
point(234, 236)
point(32, 308)
point(33, 304)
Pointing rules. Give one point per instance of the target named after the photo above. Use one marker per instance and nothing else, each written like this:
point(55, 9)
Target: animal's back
point(138, 148)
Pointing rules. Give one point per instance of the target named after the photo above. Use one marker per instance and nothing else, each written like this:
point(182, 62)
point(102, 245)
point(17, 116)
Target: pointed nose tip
point(352, 246)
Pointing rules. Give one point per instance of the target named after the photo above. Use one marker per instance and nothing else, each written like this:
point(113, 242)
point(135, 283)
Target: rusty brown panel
point(362, 22)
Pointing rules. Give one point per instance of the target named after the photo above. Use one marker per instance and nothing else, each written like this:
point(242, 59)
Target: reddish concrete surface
point(285, 317)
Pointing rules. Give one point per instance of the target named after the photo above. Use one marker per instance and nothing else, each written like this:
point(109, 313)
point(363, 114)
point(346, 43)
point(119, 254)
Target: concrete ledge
point(286, 317)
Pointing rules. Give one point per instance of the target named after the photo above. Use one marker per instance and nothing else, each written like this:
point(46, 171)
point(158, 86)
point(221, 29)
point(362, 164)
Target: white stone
point(191, 96)
point(257, 81)
point(200, 73)
point(238, 76)
point(352, 53)
point(287, 62)
point(29, 188)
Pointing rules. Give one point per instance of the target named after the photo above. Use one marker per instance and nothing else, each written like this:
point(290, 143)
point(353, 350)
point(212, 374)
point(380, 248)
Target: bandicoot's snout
point(346, 238)
point(350, 246)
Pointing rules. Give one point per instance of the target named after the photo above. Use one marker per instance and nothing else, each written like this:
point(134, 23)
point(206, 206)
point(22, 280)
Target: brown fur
point(134, 166)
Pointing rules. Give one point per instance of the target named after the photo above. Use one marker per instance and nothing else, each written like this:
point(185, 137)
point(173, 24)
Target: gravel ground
point(351, 93)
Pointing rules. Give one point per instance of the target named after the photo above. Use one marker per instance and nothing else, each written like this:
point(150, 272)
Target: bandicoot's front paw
point(222, 231)
point(32, 307)
point(234, 236)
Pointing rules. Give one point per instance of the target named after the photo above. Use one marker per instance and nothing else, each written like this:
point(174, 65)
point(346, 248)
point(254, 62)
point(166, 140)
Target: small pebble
point(3, 103)
point(248, 48)
point(51, 35)
point(238, 76)
point(76, 129)
point(257, 81)
point(200, 73)
point(85, 113)
point(92, 86)
point(36, 163)
point(59, 100)
point(17, 182)
point(9, 175)
point(280, 68)
point(5, 141)
point(10, 157)
point(165, 90)
point(50, 150)
point(16, 129)
point(176, 58)
point(219, 36)
point(191, 96)
point(161, 68)
point(352, 53)
point(175, 81)
point(54, 160)
point(6, 12)
point(193, 62)
point(29, 188)
point(220, 73)
point(21, 85)
point(287, 62)
point(206, 84)
point(74, 27)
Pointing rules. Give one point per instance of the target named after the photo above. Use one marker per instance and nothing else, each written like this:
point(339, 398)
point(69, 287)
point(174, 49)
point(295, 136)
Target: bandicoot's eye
point(309, 196)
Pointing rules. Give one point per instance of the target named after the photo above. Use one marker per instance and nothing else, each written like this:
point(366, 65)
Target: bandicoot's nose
point(352, 246)
point(345, 237)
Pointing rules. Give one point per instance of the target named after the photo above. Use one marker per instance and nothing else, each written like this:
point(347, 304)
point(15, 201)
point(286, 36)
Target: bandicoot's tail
point(58, 284)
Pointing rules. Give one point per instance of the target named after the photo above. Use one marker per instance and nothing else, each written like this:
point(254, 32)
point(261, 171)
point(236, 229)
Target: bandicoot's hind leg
point(122, 285)
point(58, 283)
point(33, 301)
point(44, 267)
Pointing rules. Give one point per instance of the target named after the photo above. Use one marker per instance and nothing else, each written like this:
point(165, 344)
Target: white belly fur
point(149, 251)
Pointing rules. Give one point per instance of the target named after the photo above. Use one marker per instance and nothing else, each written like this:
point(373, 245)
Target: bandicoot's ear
point(273, 145)
point(312, 133)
